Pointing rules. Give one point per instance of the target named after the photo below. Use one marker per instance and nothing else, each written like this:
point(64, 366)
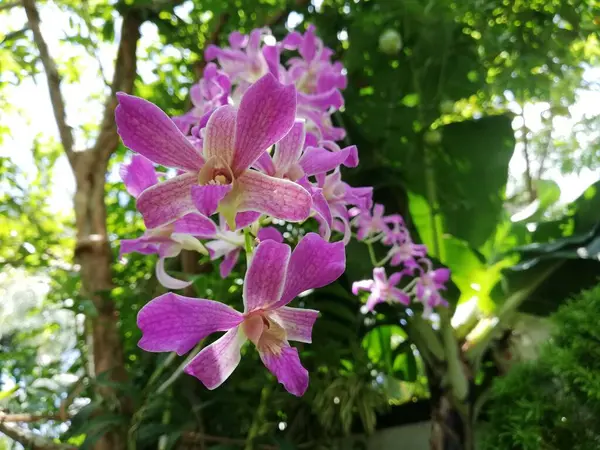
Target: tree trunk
point(449, 429)
point(93, 254)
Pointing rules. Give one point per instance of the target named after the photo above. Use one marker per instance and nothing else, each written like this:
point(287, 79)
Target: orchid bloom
point(337, 196)
point(166, 241)
point(292, 161)
point(245, 61)
point(274, 278)
point(404, 251)
point(381, 288)
point(428, 286)
point(219, 178)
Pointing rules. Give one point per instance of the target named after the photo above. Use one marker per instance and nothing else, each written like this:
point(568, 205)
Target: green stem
point(258, 418)
point(434, 206)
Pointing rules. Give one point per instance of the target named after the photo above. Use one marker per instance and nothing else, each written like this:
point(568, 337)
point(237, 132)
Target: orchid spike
point(274, 278)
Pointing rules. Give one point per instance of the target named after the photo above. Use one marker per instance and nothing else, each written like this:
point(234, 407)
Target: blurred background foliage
point(442, 95)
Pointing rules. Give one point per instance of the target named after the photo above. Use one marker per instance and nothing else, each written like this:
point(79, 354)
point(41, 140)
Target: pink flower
point(331, 199)
point(274, 278)
point(292, 161)
point(220, 176)
point(208, 94)
point(428, 287)
point(166, 241)
point(381, 288)
point(246, 60)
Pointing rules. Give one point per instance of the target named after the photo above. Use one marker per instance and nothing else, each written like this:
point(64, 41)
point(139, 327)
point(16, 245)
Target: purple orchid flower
point(292, 161)
point(207, 95)
point(220, 177)
point(382, 289)
point(274, 278)
point(246, 60)
point(331, 199)
point(313, 72)
point(404, 251)
point(166, 241)
point(429, 285)
point(370, 225)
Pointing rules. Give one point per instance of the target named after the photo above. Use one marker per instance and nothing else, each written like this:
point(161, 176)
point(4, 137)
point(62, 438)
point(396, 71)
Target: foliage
point(553, 402)
point(432, 122)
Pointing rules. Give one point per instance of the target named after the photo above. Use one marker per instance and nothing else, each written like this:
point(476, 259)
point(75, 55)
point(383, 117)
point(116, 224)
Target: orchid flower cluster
point(257, 148)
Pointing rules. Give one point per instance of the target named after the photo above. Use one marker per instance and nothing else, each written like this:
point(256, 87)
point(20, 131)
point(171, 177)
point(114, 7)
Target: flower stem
point(258, 418)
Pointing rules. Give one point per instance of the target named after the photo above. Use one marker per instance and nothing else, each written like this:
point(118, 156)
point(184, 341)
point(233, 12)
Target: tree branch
point(30, 440)
point(28, 418)
point(9, 5)
point(123, 79)
point(53, 78)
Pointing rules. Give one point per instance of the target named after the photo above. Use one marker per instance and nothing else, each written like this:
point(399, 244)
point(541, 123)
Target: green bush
point(553, 403)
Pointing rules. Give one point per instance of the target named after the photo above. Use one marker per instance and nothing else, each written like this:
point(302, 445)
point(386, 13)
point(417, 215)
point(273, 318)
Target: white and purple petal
point(173, 323)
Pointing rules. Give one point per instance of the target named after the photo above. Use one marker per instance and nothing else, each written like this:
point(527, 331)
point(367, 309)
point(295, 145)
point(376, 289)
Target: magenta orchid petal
point(173, 323)
point(138, 175)
point(319, 160)
point(400, 296)
point(229, 263)
point(287, 368)
point(147, 130)
point(265, 277)
point(264, 163)
point(267, 112)
point(243, 219)
point(207, 197)
point(288, 150)
point(195, 225)
point(145, 245)
point(167, 280)
point(279, 198)
point(271, 233)
point(219, 135)
point(314, 263)
point(297, 323)
point(168, 201)
point(216, 362)
point(321, 207)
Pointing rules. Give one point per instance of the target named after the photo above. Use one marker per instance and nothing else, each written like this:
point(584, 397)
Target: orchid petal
point(297, 323)
point(168, 201)
point(321, 207)
point(314, 263)
point(267, 112)
point(264, 163)
point(363, 285)
point(278, 198)
point(147, 130)
point(271, 233)
point(319, 160)
point(138, 175)
point(196, 225)
point(243, 219)
point(288, 150)
point(287, 368)
point(219, 135)
point(207, 197)
point(216, 362)
point(175, 323)
point(145, 245)
point(265, 277)
point(229, 263)
point(167, 280)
